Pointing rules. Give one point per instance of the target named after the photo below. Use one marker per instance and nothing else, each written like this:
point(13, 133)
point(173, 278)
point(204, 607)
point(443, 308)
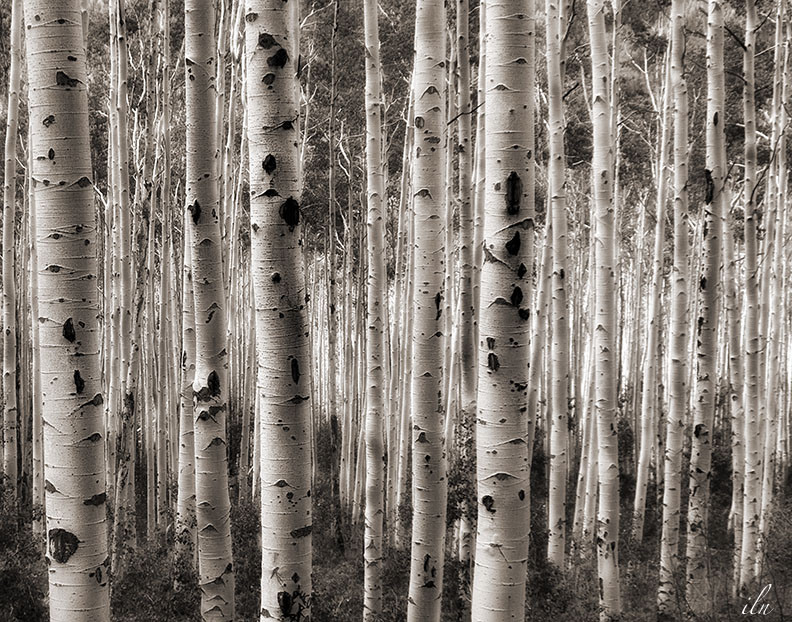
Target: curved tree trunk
point(68, 304)
point(281, 320)
point(503, 470)
point(210, 387)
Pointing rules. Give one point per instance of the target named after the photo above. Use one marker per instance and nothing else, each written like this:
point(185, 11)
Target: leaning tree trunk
point(10, 449)
point(503, 468)
point(210, 387)
point(281, 319)
point(74, 468)
point(698, 570)
point(375, 322)
point(677, 350)
point(605, 322)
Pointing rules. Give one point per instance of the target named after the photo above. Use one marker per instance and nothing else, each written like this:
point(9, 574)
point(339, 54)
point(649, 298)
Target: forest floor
point(158, 588)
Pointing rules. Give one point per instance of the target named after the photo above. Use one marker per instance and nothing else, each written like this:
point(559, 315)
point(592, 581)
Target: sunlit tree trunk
point(10, 448)
point(375, 326)
point(698, 591)
point(283, 391)
point(210, 387)
point(605, 375)
point(502, 455)
point(559, 356)
point(427, 404)
point(68, 306)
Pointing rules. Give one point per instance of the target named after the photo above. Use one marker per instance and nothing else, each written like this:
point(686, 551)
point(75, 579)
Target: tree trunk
point(605, 322)
point(281, 320)
point(210, 387)
point(502, 454)
point(68, 303)
point(427, 404)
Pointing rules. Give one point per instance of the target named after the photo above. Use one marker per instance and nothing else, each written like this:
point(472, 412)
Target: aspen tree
point(375, 327)
point(427, 404)
point(605, 363)
point(71, 397)
point(698, 576)
point(559, 430)
point(649, 397)
point(753, 451)
point(210, 387)
point(185, 508)
point(502, 454)
point(10, 447)
point(277, 278)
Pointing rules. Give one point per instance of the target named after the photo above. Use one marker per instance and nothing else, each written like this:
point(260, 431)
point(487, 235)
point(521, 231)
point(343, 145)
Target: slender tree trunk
point(281, 321)
point(210, 387)
point(559, 430)
point(10, 448)
point(606, 370)
point(427, 404)
point(698, 591)
point(68, 303)
point(375, 326)
point(503, 467)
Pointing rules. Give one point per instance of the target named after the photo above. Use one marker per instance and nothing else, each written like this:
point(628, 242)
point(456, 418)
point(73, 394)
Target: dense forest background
point(157, 584)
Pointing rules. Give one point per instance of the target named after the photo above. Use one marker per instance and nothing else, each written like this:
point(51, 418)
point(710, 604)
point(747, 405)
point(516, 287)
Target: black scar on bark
point(492, 361)
point(62, 79)
point(96, 499)
point(276, 277)
point(271, 192)
point(251, 17)
point(295, 371)
point(710, 192)
point(213, 383)
point(438, 300)
point(195, 211)
point(301, 532)
point(49, 486)
point(68, 331)
point(79, 383)
point(521, 495)
point(49, 120)
point(285, 602)
point(513, 245)
point(427, 560)
point(514, 190)
point(488, 502)
point(269, 164)
point(419, 122)
point(51, 154)
point(63, 544)
point(268, 78)
point(524, 314)
point(290, 212)
point(521, 271)
point(278, 59)
point(516, 297)
point(266, 40)
point(490, 342)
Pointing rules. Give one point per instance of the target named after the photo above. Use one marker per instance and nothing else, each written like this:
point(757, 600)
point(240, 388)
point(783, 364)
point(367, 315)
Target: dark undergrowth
point(157, 587)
